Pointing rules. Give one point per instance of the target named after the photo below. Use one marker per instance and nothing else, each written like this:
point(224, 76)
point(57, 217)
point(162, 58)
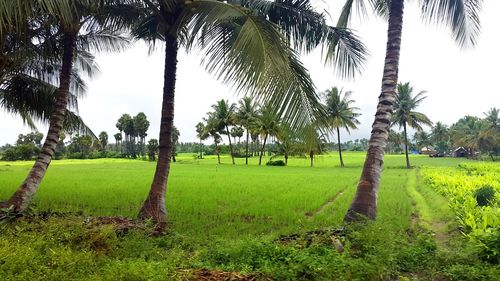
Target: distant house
point(460, 152)
point(427, 150)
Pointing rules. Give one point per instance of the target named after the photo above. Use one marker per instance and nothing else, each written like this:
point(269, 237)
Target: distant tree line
point(263, 131)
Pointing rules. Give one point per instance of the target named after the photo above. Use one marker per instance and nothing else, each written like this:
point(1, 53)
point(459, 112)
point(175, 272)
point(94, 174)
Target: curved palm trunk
point(246, 151)
point(365, 200)
point(21, 199)
point(154, 206)
point(262, 150)
point(230, 145)
point(406, 147)
point(340, 148)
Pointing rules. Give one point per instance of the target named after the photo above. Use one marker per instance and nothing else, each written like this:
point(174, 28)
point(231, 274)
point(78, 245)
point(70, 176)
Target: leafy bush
point(275, 163)
point(485, 195)
point(470, 190)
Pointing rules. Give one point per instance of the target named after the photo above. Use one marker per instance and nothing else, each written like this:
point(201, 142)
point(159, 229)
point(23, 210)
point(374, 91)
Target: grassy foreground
point(227, 218)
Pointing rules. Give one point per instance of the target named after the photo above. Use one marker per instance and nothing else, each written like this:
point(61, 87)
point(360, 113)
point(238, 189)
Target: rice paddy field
point(238, 222)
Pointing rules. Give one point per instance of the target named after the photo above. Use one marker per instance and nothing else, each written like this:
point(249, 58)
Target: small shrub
point(275, 163)
point(485, 195)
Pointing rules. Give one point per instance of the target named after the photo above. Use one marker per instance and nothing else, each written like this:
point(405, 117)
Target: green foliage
point(468, 188)
point(485, 196)
point(218, 225)
point(275, 163)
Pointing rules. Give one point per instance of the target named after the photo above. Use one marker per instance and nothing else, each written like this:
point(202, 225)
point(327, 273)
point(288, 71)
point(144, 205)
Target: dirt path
point(430, 210)
point(310, 215)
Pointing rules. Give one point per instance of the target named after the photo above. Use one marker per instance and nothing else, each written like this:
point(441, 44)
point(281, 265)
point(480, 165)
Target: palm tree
point(224, 114)
point(175, 140)
point(463, 18)
point(440, 137)
point(340, 113)
point(422, 139)
point(247, 116)
point(404, 113)
point(226, 31)
point(466, 131)
point(75, 25)
point(212, 129)
point(200, 129)
point(313, 141)
point(394, 141)
point(287, 141)
point(118, 138)
point(489, 137)
point(268, 125)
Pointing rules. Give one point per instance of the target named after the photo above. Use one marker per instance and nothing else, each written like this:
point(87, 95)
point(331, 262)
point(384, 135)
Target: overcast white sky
point(458, 82)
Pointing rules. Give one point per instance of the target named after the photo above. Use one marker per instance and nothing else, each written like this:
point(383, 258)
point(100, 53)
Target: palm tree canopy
point(247, 112)
point(440, 133)
point(465, 132)
point(269, 121)
point(461, 16)
point(224, 114)
point(339, 109)
point(405, 105)
point(245, 46)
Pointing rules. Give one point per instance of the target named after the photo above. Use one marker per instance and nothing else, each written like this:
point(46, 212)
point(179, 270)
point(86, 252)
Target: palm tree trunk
point(286, 159)
point(230, 145)
point(406, 147)
point(154, 206)
point(21, 199)
point(262, 150)
point(218, 154)
point(340, 148)
point(311, 157)
point(365, 200)
point(246, 151)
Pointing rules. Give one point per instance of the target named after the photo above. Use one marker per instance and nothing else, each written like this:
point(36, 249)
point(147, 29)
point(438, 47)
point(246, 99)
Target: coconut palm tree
point(212, 129)
point(200, 130)
point(404, 114)
point(224, 114)
point(422, 139)
point(340, 113)
point(463, 18)
point(268, 124)
point(175, 140)
point(245, 44)
point(247, 117)
point(465, 132)
point(440, 136)
point(313, 141)
point(74, 25)
point(287, 141)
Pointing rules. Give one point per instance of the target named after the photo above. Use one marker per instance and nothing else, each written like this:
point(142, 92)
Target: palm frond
point(248, 52)
point(462, 16)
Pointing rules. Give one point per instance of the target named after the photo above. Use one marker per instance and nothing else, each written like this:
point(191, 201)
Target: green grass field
point(226, 218)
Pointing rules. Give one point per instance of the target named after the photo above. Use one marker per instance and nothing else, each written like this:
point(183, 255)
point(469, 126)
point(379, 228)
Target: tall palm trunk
point(340, 148)
point(365, 200)
point(406, 147)
point(21, 199)
point(218, 154)
point(154, 206)
point(246, 151)
point(262, 150)
point(230, 145)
